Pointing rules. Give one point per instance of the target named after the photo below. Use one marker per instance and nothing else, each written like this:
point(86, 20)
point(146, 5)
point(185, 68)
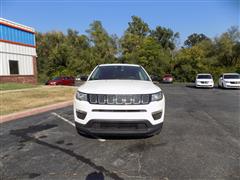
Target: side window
point(13, 66)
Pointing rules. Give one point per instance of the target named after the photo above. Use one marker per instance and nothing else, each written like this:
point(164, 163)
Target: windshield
point(119, 72)
point(56, 78)
point(232, 76)
point(167, 75)
point(204, 77)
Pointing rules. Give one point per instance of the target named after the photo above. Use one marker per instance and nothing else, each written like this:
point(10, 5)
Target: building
point(17, 53)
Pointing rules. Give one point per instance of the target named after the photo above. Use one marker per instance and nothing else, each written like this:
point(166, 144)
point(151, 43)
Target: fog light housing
point(157, 115)
point(81, 114)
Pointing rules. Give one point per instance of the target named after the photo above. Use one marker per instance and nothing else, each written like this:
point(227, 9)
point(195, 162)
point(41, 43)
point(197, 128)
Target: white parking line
point(71, 123)
point(66, 120)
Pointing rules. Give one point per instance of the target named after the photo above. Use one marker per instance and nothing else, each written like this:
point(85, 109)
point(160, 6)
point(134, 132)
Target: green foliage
point(165, 37)
point(228, 48)
point(194, 39)
point(72, 54)
point(138, 27)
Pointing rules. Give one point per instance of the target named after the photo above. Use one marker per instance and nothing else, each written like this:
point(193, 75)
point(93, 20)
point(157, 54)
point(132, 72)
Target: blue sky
point(184, 16)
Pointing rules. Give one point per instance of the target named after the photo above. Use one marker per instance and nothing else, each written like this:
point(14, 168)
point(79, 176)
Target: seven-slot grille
point(121, 99)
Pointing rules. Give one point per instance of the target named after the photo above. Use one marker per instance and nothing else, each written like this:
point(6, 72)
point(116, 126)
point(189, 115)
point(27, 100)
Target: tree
point(103, 46)
point(74, 54)
point(194, 39)
point(227, 50)
point(137, 27)
point(234, 33)
point(165, 37)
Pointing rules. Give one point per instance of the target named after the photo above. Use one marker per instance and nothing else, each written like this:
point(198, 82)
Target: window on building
point(13, 66)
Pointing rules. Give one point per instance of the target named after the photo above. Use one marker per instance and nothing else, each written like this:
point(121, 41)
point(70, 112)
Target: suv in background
point(119, 99)
point(63, 80)
point(204, 80)
point(229, 80)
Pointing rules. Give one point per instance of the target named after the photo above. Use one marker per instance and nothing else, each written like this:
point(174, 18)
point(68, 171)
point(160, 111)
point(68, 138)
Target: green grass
point(13, 86)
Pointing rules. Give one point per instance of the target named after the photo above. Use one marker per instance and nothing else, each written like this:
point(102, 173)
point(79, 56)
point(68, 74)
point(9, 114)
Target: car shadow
point(114, 137)
point(194, 87)
point(95, 176)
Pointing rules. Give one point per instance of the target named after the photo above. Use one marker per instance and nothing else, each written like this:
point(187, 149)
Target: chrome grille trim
point(119, 99)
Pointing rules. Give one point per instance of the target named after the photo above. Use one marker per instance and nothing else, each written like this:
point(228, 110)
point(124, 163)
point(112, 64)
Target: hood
point(119, 87)
point(232, 80)
point(204, 79)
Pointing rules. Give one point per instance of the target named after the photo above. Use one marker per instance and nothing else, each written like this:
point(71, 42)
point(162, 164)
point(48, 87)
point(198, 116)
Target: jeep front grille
point(109, 99)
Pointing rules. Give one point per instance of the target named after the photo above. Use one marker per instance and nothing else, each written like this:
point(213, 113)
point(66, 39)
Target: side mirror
point(84, 78)
point(221, 78)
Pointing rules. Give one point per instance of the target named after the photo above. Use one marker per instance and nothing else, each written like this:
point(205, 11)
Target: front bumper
point(230, 85)
point(114, 116)
point(207, 85)
point(119, 127)
point(167, 81)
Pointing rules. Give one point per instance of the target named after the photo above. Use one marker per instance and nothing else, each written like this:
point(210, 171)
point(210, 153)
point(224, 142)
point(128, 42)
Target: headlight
point(81, 96)
point(157, 96)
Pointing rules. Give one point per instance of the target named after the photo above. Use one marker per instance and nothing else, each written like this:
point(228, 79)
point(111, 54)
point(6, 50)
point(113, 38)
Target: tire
point(223, 86)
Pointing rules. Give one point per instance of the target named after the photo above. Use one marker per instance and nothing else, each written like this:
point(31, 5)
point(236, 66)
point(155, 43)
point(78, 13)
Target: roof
point(204, 74)
point(118, 64)
point(16, 25)
point(230, 74)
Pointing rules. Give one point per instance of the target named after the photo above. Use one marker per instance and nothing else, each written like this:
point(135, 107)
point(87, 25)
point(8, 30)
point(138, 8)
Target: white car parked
point(119, 99)
point(229, 80)
point(204, 80)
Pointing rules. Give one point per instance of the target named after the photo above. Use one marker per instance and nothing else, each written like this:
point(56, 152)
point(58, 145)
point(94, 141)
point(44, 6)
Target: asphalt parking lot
point(199, 140)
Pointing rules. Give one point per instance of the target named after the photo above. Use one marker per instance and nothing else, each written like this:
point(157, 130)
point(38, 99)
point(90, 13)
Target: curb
point(34, 111)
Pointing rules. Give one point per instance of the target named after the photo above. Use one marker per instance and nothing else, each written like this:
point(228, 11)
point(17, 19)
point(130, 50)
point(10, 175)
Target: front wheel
point(223, 86)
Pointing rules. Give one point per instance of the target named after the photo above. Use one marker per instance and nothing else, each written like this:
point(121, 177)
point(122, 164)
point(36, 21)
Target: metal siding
point(25, 63)
point(17, 49)
point(16, 35)
point(4, 64)
point(16, 25)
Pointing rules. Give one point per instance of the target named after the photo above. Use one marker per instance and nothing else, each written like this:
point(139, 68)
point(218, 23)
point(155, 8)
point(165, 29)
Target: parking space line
point(64, 119)
point(71, 123)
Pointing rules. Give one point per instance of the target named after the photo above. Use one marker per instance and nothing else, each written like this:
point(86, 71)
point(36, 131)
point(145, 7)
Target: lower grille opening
point(119, 126)
point(119, 110)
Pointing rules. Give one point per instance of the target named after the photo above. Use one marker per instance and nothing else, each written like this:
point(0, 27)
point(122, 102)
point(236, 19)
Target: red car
point(63, 80)
point(167, 78)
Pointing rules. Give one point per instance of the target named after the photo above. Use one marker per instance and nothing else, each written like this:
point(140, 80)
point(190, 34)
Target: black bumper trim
point(119, 127)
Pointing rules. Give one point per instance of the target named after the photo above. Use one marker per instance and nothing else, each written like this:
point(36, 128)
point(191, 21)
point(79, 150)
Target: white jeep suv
point(119, 99)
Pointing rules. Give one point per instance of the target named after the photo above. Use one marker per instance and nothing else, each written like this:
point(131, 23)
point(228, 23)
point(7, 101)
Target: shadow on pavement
point(95, 176)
